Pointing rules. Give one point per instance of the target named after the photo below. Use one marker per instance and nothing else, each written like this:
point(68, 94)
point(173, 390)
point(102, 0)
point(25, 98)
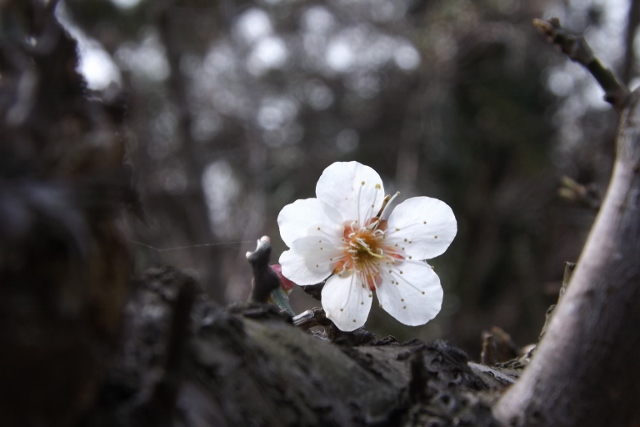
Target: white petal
point(346, 302)
point(411, 292)
point(354, 189)
point(423, 226)
point(301, 270)
point(319, 252)
point(295, 219)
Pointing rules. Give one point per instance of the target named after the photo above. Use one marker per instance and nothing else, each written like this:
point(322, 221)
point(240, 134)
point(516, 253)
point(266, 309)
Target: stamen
point(362, 243)
point(346, 304)
point(398, 275)
point(373, 203)
point(385, 200)
point(392, 231)
point(320, 231)
point(359, 194)
point(387, 204)
point(375, 255)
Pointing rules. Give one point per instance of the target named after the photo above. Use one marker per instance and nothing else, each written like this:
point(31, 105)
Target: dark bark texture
point(82, 345)
point(585, 372)
point(64, 267)
point(251, 366)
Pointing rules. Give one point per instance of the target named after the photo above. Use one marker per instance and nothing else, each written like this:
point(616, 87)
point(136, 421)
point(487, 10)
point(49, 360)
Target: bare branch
point(578, 50)
point(629, 54)
point(585, 371)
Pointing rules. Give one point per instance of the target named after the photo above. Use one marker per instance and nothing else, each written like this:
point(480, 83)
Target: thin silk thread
point(188, 247)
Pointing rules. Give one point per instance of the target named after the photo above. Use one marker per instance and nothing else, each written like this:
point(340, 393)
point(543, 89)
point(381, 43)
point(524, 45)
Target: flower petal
point(318, 249)
point(296, 267)
point(346, 301)
point(354, 189)
point(423, 226)
point(411, 292)
point(295, 219)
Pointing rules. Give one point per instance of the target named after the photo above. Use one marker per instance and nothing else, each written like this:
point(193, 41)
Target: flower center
point(363, 243)
point(363, 251)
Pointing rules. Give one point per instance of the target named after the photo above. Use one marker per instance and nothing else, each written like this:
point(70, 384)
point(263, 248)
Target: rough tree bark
point(185, 361)
point(64, 267)
point(182, 360)
point(249, 365)
point(585, 371)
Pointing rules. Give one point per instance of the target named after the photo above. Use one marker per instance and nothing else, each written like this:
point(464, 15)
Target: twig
point(629, 55)
point(578, 50)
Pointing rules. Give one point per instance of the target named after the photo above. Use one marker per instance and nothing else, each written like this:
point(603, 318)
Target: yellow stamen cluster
point(364, 250)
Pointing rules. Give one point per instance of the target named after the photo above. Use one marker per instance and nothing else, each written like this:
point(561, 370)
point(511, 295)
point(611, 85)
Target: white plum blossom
point(344, 235)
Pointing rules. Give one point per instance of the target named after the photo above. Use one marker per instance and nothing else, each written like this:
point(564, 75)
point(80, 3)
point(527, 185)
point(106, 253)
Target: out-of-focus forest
point(234, 108)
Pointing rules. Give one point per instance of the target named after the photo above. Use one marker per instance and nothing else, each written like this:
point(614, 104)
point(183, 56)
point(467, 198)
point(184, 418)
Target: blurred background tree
point(235, 108)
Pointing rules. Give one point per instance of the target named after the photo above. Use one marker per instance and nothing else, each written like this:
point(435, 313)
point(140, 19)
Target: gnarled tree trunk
point(586, 370)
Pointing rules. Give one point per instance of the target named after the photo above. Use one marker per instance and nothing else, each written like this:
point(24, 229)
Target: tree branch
point(578, 50)
point(585, 371)
point(629, 54)
point(253, 367)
